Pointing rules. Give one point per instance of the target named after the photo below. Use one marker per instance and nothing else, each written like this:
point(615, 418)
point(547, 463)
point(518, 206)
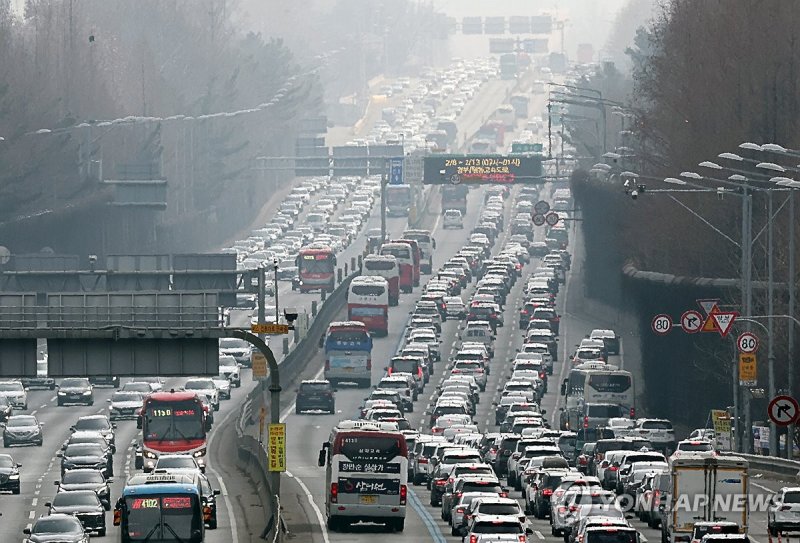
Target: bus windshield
point(610, 383)
point(316, 263)
point(173, 421)
point(163, 518)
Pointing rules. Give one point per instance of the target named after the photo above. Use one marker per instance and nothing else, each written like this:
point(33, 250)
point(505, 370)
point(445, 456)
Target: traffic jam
point(589, 471)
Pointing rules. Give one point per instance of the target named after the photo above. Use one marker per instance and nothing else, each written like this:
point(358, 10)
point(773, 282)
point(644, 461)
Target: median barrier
point(771, 464)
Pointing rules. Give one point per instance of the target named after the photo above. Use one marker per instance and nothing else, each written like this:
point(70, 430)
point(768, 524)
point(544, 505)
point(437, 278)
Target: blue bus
point(161, 508)
point(348, 353)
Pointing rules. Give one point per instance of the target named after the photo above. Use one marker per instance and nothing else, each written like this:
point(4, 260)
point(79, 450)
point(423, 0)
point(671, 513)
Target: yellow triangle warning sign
point(710, 324)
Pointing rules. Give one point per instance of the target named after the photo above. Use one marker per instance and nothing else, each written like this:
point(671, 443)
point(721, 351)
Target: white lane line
point(34, 411)
point(31, 514)
point(43, 406)
point(642, 538)
point(223, 488)
point(762, 487)
point(317, 511)
point(34, 502)
point(53, 399)
point(540, 535)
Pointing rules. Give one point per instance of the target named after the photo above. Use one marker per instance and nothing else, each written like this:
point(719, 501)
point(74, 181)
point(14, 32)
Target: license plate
point(349, 370)
point(368, 500)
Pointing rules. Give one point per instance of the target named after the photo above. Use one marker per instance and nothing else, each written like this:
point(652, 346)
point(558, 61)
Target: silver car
point(15, 393)
point(22, 430)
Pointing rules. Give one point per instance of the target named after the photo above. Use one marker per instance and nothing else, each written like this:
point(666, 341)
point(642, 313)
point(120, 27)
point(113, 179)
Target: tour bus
point(385, 266)
point(416, 256)
point(366, 474)
point(426, 246)
point(167, 507)
point(316, 268)
point(368, 302)
point(596, 383)
point(172, 423)
point(405, 262)
point(398, 200)
point(348, 353)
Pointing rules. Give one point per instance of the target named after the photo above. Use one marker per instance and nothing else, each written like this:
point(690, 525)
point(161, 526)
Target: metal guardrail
point(770, 464)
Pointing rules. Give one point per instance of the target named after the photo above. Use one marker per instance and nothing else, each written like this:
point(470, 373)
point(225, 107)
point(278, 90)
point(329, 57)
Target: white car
point(453, 219)
point(15, 393)
point(178, 463)
point(455, 307)
point(206, 387)
point(223, 385)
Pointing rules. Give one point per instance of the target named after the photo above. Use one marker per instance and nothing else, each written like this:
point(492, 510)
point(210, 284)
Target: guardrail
point(251, 457)
point(770, 464)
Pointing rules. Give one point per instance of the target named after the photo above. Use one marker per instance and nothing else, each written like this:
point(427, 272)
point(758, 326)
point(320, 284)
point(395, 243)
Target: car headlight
point(198, 454)
point(62, 393)
point(148, 454)
point(101, 489)
point(14, 477)
point(86, 393)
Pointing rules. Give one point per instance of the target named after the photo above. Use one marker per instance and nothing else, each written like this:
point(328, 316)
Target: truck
point(508, 66)
point(704, 488)
point(454, 197)
point(520, 104)
point(398, 200)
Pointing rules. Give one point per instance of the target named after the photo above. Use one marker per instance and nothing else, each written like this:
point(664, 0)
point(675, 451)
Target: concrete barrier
point(772, 465)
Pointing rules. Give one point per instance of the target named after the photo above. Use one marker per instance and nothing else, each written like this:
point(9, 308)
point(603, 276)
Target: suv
point(609, 338)
point(659, 432)
point(315, 394)
point(453, 219)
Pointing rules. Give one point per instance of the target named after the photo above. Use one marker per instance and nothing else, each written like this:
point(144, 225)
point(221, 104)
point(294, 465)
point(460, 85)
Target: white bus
point(366, 474)
point(385, 266)
point(426, 246)
point(596, 383)
point(368, 302)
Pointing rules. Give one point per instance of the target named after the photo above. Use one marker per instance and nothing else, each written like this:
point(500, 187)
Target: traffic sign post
point(276, 446)
point(396, 171)
point(661, 324)
point(747, 342)
point(691, 321)
point(783, 410)
point(724, 321)
point(539, 219)
point(708, 305)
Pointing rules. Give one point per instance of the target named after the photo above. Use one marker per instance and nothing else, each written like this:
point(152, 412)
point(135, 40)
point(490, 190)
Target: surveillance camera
point(291, 314)
point(92, 258)
point(720, 192)
point(634, 194)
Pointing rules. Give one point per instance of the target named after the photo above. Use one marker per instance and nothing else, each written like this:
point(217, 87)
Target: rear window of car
point(481, 486)
point(611, 535)
point(498, 509)
point(657, 425)
point(497, 527)
point(314, 387)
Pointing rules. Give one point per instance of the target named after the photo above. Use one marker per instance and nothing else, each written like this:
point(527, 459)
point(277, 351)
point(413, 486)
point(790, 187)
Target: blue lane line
point(426, 517)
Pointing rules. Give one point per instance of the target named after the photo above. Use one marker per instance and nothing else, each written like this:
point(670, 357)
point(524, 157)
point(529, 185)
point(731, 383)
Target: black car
point(209, 498)
point(105, 381)
point(6, 409)
point(9, 474)
point(84, 455)
point(87, 479)
point(99, 424)
point(95, 438)
point(75, 390)
point(317, 395)
point(61, 528)
point(84, 505)
point(22, 430)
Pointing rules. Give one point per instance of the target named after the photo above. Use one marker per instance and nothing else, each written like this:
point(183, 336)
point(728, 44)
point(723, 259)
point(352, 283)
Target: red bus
point(416, 254)
point(316, 268)
point(172, 423)
point(368, 302)
point(385, 266)
point(405, 261)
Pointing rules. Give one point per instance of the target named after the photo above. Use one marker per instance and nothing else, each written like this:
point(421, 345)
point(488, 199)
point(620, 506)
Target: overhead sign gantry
point(483, 169)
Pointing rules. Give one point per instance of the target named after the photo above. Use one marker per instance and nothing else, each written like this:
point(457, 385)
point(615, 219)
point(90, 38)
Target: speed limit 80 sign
point(747, 342)
point(661, 324)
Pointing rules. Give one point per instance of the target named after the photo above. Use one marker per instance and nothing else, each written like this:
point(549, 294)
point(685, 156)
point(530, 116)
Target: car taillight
point(573, 508)
point(542, 375)
point(582, 460)
point(492, 450)
point(369, 363)
point(206, 513)
point(419, 373)
point(334, 492)
point(613, 468)
point(459, 509)
point(503, 494)
point(521, 538)
point(422, 460)
point(458, 495)
point(524, 312)
point(585, 422)
point(473, 538)
point(440, 482)
point(403, 494)
point(562, 509)
point(633, 412)
point(479, 370)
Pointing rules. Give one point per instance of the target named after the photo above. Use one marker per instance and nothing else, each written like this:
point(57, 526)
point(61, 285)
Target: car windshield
point(407, 366)
point(123, 396)
point(92, 424)
point(21, 421)
point(497, 527)
point(83, 449)
point(57, 525)
point(498, 509)
point(11, 387)
point(69, 499)
point(6, 461)
point(78, 477)
point(199, 385)
point(611, 535)
point(74, 383)
point(176, 462)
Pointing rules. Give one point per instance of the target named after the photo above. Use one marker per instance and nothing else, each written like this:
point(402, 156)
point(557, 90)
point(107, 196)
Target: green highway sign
point(482, 169)
point(526, 147)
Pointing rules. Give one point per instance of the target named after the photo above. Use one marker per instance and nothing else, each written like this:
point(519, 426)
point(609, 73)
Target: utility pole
point(773, 429)
point(384, 181)
point(791, 281)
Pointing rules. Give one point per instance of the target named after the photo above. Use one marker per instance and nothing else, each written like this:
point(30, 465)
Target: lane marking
point(314, 506)
point(34, 502)
point(427, 519)
point(223, 488)
point(762, 487)
point(32, 515)
point(540, 536)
